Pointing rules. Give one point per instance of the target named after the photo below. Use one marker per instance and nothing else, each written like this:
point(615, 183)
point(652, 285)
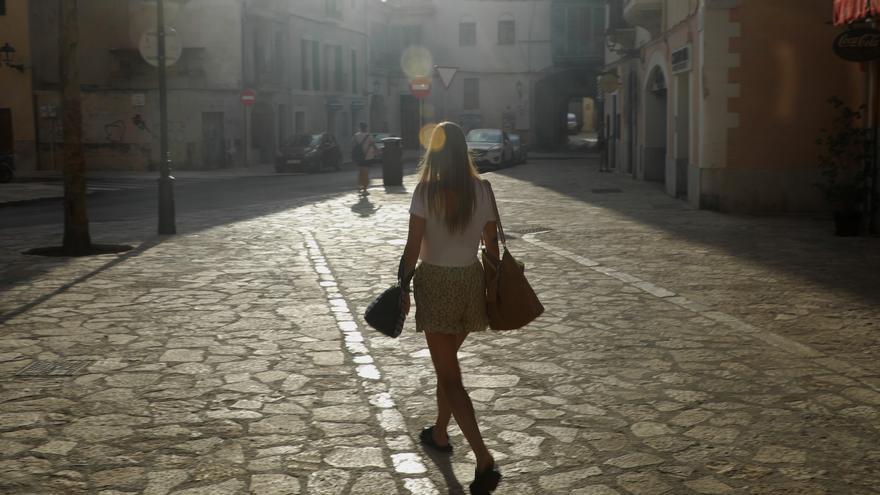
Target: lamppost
point(167, 225)
point(7, 55)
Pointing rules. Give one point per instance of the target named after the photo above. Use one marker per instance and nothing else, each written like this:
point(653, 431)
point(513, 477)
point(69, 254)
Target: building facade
point(120, 88)
point(721, 100)
point(508, 65)
point(306, 61)
point(17, 131)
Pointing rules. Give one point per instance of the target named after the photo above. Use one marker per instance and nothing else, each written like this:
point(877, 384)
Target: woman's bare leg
point(363, 178)
point(444, 412)
point(444, 355)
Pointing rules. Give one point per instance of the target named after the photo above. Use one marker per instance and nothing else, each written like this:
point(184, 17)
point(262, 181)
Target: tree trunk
point(77, 240)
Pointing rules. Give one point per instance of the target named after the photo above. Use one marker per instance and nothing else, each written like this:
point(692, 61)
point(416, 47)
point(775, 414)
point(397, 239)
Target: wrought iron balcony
point(644, 13)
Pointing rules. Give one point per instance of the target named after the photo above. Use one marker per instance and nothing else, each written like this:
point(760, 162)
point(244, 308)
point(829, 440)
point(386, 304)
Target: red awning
point(846, 11)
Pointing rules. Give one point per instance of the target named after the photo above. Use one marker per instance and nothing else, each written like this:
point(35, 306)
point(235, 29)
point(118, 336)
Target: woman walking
point(451, 210)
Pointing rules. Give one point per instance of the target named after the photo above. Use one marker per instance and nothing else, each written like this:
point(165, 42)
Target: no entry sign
point(420, 87)
point(248, 97)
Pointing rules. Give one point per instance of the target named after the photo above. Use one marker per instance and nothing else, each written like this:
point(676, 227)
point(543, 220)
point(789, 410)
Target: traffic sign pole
point(248, 98)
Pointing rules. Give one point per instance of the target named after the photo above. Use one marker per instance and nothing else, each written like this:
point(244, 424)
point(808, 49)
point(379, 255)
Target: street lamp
point(7, 55)
point(167, 224)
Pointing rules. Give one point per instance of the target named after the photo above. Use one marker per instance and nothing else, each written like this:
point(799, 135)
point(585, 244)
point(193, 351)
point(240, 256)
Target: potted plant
point(844, 164)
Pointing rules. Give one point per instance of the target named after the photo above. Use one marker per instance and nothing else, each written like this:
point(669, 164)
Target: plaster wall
point(788, 71)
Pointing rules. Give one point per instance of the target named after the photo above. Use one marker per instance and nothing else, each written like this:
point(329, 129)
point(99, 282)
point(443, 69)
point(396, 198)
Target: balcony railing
point(644, 13)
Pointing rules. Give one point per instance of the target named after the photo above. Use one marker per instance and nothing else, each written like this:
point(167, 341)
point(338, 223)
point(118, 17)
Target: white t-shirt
point(443, 248)
point(365, 140)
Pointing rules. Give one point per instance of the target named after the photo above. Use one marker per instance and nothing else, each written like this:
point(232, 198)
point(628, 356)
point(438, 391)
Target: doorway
point(632, 124)
point(409, 121)
point(655, 127)
point(213, 153)
point(682, 134)
point(7, 140)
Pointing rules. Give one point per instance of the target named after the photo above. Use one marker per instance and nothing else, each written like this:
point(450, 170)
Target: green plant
point(844, 161)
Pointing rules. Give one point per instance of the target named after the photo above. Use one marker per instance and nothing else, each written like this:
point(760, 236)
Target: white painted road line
point(404, 461)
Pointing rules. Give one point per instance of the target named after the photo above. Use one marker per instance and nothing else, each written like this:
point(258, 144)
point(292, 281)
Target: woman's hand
point(405, 301)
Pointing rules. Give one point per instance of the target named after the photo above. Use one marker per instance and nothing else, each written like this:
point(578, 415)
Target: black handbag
point(385, 313)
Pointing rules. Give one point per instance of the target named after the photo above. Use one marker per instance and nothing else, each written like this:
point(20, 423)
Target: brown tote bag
point(510, 301)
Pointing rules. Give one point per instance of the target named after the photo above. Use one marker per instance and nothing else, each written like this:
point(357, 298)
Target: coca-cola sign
point(858, 45)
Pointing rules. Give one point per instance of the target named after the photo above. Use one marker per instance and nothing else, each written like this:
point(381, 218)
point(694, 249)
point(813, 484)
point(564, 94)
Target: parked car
point(490, 148)
point(520, 149)
point(7, 167)
point(309, 153)
point(572, 123)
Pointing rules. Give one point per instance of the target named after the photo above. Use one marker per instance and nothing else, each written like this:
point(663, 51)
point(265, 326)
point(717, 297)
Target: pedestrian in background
point(451, 210)
point(363, 153)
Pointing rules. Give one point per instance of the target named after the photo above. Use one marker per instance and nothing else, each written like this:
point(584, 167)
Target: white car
point(490, 148)
point(572, 122)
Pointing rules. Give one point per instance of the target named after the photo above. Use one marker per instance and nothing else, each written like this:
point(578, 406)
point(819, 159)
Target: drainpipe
point(871, 224)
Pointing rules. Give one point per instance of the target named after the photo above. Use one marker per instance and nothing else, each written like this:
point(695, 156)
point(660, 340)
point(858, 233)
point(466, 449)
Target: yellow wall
point(15, 86)
point(788, 72)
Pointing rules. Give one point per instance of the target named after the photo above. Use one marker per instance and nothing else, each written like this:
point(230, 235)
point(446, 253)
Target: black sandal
point(486, 482)
point(427, 438)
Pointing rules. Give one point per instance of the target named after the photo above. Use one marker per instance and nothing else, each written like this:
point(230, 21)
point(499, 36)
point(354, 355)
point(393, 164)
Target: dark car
point(490, 148)
point(520, 149)
point(309, 153)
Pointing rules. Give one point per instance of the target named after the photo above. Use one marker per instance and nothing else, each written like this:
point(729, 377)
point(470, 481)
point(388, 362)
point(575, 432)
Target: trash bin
point(392, 162)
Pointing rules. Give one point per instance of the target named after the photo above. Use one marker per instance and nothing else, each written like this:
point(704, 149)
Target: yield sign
point(446, 74)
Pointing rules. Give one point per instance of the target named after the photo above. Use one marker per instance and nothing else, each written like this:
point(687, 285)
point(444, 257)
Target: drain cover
point(53, 368)
point(607, 190)
point(530, 229)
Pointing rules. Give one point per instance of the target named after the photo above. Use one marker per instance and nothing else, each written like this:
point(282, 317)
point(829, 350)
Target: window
point(354, 72)
point(338, 76)
point(471, 93)
point(304, 61)
point(2, 7)
point(316, 66)
point(279, 67)
point(506, 32)
point(334, 7)
point(467, 33)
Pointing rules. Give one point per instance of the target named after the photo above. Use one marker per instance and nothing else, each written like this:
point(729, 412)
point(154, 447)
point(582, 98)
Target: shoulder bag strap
point(497, 214)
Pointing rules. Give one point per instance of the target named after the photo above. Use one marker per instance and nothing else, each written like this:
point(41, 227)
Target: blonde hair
point(446, 177)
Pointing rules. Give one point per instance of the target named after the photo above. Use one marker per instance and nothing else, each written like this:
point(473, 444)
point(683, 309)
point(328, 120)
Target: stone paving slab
point(232, 359)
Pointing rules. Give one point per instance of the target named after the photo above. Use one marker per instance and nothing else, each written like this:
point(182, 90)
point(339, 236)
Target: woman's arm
point(411, 251)
point(490, 239)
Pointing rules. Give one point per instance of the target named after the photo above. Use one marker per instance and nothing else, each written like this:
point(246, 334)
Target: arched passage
point(553, 94)
point(655, 126)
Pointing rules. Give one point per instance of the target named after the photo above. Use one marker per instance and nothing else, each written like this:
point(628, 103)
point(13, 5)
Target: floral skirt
point(450, 299)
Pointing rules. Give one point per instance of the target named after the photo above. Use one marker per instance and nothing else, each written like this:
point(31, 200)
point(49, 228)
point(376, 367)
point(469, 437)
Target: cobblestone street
point(681, 352)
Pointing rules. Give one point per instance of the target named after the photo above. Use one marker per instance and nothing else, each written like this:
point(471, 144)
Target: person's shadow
point(444, 465)
point(364, 207)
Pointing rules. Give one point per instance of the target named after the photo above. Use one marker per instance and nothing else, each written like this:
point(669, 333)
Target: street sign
point(420, 87)
point(149, 47)
point(447, 74)
point(858, 45)
point(248, 97)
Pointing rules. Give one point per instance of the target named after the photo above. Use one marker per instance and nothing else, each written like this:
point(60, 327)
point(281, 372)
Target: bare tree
point(77, 240)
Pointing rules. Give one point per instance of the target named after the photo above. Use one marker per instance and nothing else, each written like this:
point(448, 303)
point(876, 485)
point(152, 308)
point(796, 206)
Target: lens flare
point(416, 61)
point(432, 137)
